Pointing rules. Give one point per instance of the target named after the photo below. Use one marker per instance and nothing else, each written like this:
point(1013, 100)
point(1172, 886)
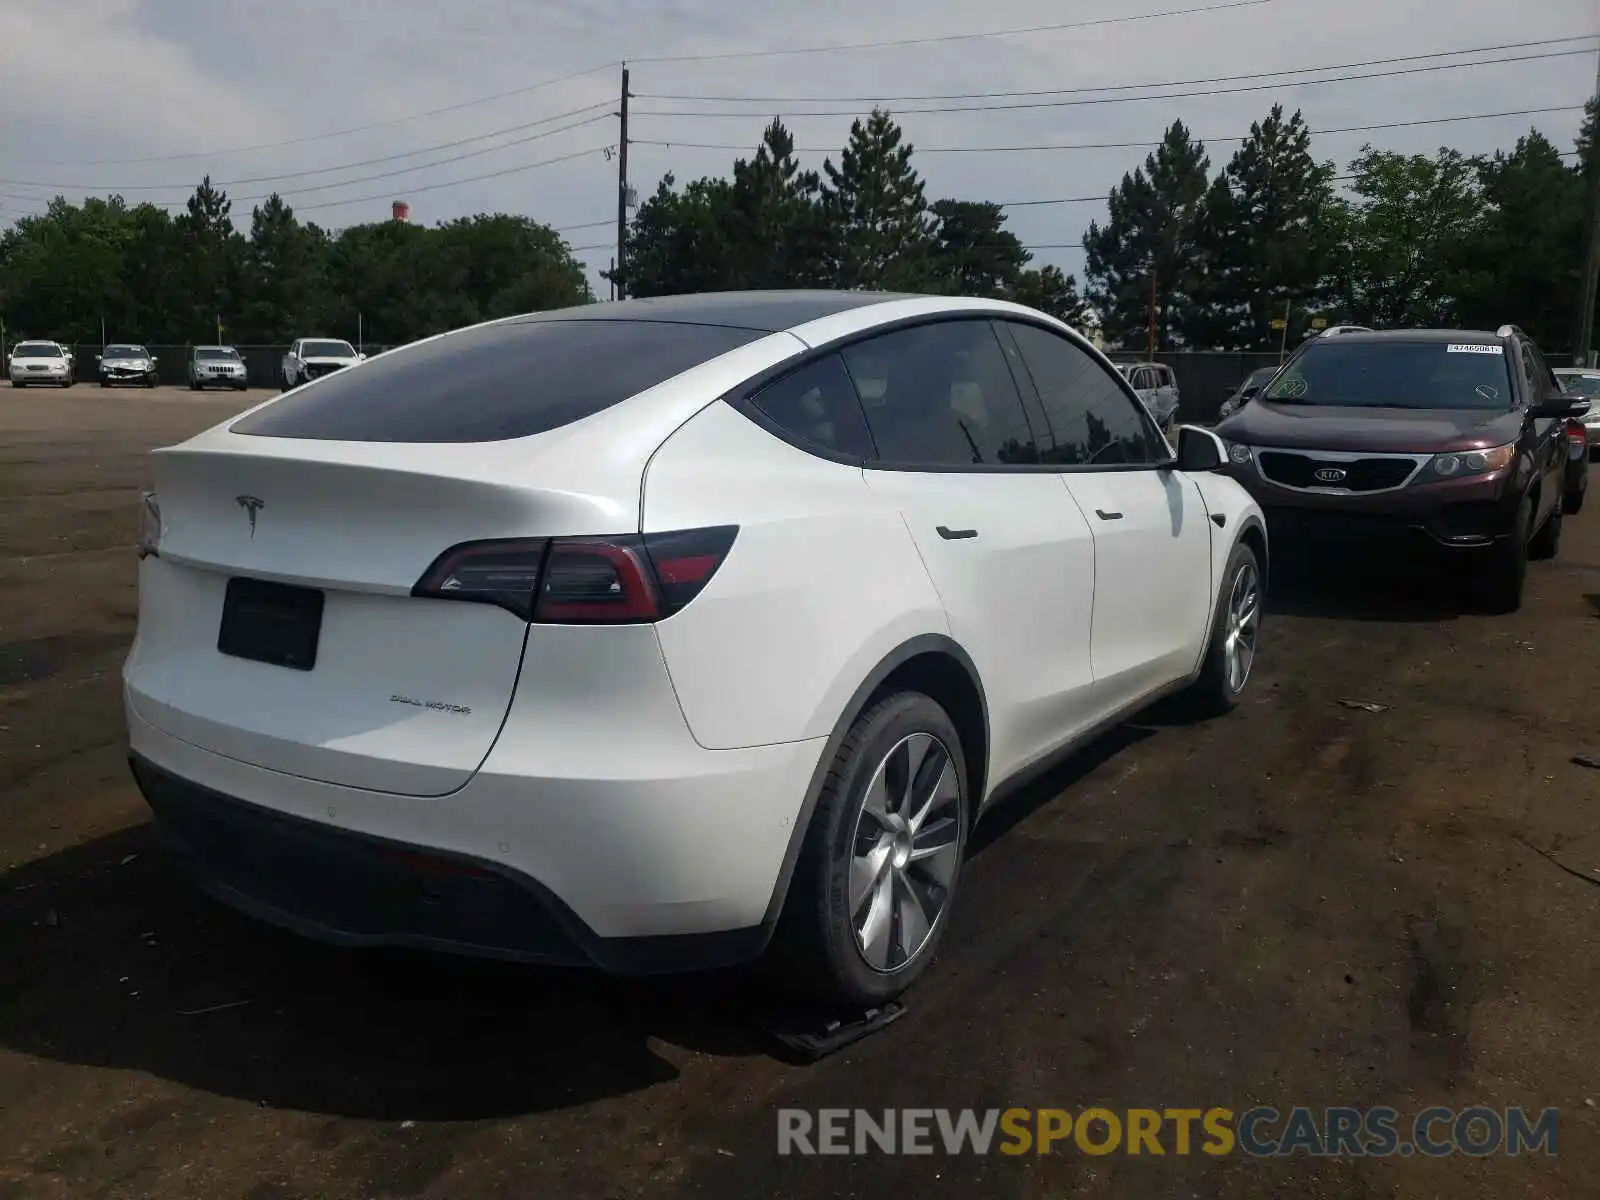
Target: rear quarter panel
point(823, 582)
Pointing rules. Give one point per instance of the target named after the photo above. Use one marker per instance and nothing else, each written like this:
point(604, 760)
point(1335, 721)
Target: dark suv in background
point(1449, 440)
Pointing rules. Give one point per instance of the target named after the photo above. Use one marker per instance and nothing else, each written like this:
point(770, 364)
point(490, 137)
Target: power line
point(433, 187)
point(750, 147)
point(335, 133)
point(368, 162)
point(584, 225)
point(1083, 102)
point(1118, 87)
point(897, 43)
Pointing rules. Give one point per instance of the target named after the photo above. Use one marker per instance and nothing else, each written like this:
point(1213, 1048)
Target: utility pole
point(1152, 346)
point(1583, 335)
point(622, 187)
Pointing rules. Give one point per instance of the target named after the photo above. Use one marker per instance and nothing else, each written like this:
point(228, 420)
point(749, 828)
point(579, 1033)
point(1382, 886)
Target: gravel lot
point(1302, 903)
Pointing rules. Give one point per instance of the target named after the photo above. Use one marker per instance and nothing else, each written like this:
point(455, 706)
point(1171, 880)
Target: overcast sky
point(195, 83)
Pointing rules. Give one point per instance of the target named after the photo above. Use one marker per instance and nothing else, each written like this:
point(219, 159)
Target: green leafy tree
point(1411, 217)
point(1266, 245)
point(878, 208)
point(678, 241)
point(1151, 230)
point(1517, 263)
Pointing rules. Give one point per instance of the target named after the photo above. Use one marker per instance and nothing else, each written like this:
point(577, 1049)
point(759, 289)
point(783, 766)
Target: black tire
point(16, 383)
point(1572, 502)
point(815, 950)
point(1547, 542)
point(1215, 691)
point(241, 387)
point(105, 383)
point(194, 385)
point(1506, 570)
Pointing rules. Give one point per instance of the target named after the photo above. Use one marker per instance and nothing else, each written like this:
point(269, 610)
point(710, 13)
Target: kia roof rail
point(1508, 331)
point(1336, 330)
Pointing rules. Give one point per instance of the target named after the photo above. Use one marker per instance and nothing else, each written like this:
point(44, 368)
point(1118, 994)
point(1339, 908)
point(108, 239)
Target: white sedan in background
point(40, 362)
point(669, 633)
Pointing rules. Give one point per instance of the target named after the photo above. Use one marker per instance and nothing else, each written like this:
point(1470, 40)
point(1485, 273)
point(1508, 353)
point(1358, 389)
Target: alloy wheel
point(905, 852)
point(1243, 624)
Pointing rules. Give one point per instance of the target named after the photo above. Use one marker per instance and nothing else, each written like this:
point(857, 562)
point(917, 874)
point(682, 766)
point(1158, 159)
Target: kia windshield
point(1396, 374)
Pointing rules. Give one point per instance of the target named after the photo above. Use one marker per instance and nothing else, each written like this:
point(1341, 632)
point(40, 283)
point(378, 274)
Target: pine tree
point(1265, 243)
point(972, 254)
point(1150, 235)
point(777, 224)
point(879, 213)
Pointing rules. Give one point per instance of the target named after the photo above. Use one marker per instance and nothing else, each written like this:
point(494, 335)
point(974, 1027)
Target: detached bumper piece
point(349, 889)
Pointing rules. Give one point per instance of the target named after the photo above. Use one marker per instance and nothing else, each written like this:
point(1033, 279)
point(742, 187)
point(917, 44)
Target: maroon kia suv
point(1449, 440)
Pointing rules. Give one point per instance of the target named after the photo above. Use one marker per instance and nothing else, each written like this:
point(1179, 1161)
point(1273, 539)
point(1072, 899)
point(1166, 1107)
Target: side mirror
point(1563, 404)
point(361, 358)
point(97, 358)
point(1200, 449)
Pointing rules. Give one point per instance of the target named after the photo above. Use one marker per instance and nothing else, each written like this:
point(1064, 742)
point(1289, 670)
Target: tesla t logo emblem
point(251, 507)
point(1325, 475)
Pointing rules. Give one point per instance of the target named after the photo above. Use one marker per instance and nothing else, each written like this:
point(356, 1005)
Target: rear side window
point(818, 405)
point(494, 382)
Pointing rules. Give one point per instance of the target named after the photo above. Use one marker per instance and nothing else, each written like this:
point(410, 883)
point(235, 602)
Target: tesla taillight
point(504, 573)
point(621, 580)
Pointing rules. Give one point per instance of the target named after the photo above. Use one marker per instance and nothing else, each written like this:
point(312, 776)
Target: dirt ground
point(1300, 903)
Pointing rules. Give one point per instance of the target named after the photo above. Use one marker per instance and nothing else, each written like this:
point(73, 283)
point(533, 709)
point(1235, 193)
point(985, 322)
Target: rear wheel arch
point(939, 668)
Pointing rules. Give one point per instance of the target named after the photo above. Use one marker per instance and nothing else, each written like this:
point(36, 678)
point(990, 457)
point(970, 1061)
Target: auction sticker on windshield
point(1473, 348)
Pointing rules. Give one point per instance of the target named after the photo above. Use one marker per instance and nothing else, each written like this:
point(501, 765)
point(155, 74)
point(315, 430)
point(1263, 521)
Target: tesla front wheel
point(877, 874)
point(1231, 651)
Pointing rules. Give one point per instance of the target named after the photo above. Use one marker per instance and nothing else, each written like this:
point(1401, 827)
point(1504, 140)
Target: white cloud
point(147, 78)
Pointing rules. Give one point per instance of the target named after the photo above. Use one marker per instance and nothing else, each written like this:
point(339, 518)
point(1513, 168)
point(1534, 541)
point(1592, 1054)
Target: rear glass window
point(494, 382)
point(1581, 385)
point(1396, 375)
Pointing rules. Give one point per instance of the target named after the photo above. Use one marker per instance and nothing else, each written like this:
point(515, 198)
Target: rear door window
point(490, 383)
point(941, 395)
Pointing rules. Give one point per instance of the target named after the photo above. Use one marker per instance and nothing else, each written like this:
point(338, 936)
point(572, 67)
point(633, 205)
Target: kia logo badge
point(1325, 475)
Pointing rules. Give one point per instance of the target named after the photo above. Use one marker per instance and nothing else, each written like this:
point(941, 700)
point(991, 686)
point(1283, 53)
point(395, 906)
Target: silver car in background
point(217, 366)
point(1585, 382)
point(127, 363)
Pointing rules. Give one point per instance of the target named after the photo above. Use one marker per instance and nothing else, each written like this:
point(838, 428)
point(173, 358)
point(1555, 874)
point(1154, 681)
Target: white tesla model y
point(660, 634)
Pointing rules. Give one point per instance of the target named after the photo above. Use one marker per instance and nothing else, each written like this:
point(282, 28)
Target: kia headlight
point(1459, 463)
point(1238, 454)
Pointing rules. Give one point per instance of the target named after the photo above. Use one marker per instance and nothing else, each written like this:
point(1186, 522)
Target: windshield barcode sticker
point(1473, 348)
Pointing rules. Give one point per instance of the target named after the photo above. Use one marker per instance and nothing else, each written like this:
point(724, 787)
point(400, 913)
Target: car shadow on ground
point(115, 960)
point(1379, 588)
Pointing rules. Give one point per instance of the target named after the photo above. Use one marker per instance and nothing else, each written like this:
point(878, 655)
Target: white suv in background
point(312, 358)
point(643, 635)
point(1157, 388)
